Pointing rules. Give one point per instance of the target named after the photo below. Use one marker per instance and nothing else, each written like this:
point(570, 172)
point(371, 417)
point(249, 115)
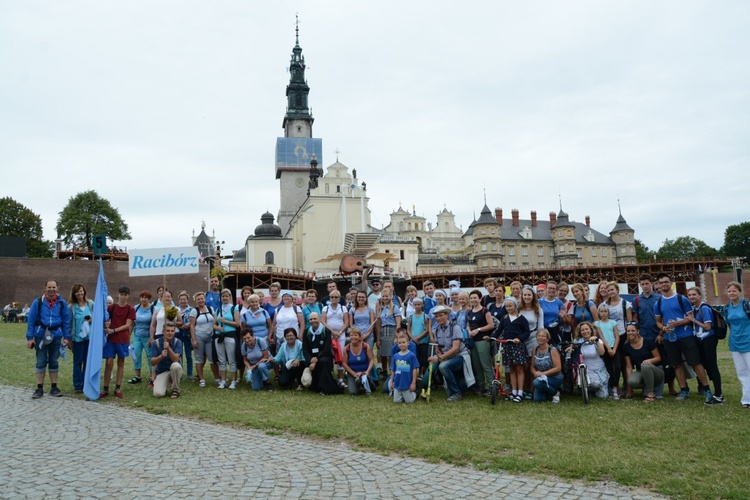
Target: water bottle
point(671, 335)
point(63, 353)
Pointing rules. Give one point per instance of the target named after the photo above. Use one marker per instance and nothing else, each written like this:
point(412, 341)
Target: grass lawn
point(684, 449)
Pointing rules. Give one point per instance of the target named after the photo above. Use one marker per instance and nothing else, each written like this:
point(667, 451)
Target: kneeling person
point(165, 358)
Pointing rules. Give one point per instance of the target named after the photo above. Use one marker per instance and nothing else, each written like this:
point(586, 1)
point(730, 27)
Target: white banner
point(160, 261)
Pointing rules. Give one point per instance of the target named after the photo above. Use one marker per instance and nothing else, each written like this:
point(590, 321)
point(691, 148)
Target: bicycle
point(578, 369)
point(496, 386)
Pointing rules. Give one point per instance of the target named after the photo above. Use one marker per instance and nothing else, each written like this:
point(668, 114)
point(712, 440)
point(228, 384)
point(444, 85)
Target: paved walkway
point(67, 448)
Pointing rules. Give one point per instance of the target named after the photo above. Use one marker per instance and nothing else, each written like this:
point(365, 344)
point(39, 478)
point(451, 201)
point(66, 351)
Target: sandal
point(649, 399)
point(746, 406)
point(175, 394)
point(134, 380)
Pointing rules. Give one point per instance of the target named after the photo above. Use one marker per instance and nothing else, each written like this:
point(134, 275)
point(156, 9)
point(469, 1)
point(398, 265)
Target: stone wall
point(22, 280)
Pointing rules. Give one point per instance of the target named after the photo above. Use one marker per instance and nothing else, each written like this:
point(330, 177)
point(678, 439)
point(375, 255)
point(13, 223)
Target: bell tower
point(296, 149)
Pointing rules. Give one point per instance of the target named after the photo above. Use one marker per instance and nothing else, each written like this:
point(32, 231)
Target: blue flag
point(96, 339)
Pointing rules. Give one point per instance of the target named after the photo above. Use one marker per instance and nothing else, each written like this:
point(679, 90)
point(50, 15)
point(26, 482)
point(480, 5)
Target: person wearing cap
point(448, 351)
point(48, 328)
point(122, 318)
point(373, 296)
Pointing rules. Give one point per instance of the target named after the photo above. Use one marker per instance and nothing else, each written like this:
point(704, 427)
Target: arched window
point(269, 257)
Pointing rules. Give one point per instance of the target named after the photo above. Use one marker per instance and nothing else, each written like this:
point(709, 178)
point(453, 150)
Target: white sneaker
point(202, 383)
point(556, 398)
point(233, 385)
point(222, 384)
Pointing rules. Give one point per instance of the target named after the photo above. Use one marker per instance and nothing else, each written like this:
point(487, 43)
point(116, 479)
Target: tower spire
point(296, 29)
point(297, 91)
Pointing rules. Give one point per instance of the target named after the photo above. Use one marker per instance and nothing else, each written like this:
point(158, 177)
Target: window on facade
point(560, 233)
point(494, 247)
point(580, 255)
point(494, 262)
point(525, 251)
point(338, 189)
point(402, 254)
point(269, 257)
point(540, 251)
point(484, 262)
point(604, 252)
point(526, 265)
point(483, 231)
point(484, 247)
point(511, 251)
point(562, 263)
point(593, 252)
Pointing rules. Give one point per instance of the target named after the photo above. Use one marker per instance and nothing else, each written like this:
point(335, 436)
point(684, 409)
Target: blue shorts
point(110, 350)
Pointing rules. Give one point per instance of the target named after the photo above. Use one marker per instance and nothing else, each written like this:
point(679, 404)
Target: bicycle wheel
point(494, 387)
point(584, 383)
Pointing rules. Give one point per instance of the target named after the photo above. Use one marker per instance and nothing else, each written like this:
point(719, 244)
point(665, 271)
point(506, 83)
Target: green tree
point(18, 220)
point(642, 252)
point(685, 248)
point(737, 241)
point(87, 214)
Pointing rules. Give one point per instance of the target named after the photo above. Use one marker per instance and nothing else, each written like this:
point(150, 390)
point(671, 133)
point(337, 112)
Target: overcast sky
point(171, 109)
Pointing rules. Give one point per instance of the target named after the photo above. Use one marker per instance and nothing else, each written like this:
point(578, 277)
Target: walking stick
point(429, 379)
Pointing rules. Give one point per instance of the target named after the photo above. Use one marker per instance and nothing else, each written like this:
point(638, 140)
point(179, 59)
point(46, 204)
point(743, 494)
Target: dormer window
point(525, 233)
point(589, 236)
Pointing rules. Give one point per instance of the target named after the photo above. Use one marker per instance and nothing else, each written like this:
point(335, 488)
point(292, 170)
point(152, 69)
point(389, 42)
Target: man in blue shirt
point(213, 296)
point(643, 313)
point(673, 314)
point(48, 328)
point(165, 358)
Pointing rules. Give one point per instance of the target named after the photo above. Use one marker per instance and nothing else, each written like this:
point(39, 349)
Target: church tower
point(296, 149)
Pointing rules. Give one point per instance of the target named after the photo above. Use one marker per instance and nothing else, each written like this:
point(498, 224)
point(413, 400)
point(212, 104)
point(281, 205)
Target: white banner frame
point(163, 261)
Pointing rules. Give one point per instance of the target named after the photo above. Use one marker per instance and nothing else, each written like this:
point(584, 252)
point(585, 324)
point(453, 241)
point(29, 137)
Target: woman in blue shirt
point(739, 336)
point(707, 341)
point(81, 311)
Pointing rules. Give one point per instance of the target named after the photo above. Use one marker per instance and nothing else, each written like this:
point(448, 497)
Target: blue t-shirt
point(213, 300)
point(581, 314)
point(551, 309)
point(609, 330)
point(674, 308)
point(156, 349)
point(308, 309)
point(257, 321)
point(78, 314)
point(387, 318)
point(402, 367)
point(739, 324)
point(255, 353)
point(226, 311)
point(142, 325)
point(704, 314)
point(417, 323)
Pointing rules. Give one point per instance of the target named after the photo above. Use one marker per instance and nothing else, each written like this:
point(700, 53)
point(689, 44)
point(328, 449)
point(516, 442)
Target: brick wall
point(722, 279)
point(22, 280)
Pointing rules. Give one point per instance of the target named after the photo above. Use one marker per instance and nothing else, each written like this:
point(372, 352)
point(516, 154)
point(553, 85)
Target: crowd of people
point(371, 339)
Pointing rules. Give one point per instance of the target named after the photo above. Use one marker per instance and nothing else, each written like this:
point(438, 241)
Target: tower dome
point(267, 228)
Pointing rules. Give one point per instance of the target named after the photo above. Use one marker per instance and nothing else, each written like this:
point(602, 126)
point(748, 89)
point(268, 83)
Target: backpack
point(719, 324)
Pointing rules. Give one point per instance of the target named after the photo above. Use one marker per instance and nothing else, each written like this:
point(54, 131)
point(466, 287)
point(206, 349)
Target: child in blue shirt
point(609, 332)
point(405, 369)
